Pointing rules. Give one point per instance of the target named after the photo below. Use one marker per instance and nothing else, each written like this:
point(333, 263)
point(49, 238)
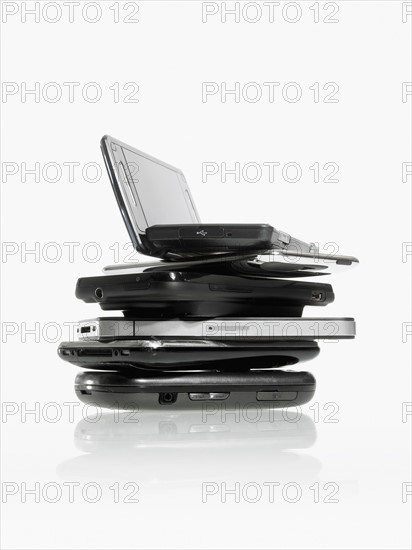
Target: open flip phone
point(161, 217)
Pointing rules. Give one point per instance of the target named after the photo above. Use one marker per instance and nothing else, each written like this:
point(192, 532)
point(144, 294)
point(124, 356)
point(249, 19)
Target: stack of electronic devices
point(213, 317)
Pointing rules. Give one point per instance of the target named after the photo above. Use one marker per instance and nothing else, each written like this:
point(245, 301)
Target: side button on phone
point(276, 395)
point(213, 396)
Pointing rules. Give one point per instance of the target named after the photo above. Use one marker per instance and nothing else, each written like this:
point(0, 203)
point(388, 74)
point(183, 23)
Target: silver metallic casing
point(112, 328)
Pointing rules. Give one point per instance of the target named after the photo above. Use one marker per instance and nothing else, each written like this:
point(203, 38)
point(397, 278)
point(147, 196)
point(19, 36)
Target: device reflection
point(189, 446)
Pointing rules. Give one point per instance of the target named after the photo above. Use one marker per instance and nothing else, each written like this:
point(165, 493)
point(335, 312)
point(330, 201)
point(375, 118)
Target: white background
point(169, 53)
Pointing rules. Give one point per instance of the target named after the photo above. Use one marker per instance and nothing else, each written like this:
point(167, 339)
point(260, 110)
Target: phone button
point(212, 396)
point(276, 395)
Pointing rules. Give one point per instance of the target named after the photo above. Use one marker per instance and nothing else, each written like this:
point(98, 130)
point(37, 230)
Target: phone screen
point(160, 190)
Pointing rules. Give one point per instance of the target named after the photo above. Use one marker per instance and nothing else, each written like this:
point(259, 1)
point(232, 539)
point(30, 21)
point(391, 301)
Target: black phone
point(187, 354)
point(193, 390)
point(168, 294)
point(160, 213)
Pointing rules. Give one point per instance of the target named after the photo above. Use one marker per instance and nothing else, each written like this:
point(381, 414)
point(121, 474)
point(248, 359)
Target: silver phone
point(273, 263)
point(116, 328)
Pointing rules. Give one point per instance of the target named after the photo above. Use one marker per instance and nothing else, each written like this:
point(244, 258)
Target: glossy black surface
point(168, 294)
point(190, 355)
point(267, 389)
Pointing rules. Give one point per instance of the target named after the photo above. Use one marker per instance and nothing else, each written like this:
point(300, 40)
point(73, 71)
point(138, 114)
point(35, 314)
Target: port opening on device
point(98, 293)
point(167, 398)
point(99, 352)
